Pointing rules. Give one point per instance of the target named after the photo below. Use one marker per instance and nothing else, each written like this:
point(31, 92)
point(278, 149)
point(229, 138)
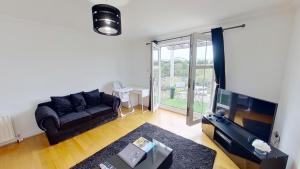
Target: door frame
point(154, 106)
point(192, 77)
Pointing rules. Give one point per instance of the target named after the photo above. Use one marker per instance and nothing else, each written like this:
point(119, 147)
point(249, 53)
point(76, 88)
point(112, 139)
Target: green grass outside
point(199, 107)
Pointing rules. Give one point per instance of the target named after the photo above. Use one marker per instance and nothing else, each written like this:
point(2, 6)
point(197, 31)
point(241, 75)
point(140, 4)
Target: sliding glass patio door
point(201, 78)
point(174, 75)
point(182, 76)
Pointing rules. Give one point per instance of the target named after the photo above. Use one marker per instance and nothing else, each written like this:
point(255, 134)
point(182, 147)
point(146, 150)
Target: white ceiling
point(140, 18)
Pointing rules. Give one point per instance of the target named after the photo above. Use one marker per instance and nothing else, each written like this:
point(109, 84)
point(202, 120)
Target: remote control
point(106, 165)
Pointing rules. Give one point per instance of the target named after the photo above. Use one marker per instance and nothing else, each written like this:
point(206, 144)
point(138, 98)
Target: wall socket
point(275, 139)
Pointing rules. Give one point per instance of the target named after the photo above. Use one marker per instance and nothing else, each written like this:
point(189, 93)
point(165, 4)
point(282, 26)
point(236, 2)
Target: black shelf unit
point(236, 143)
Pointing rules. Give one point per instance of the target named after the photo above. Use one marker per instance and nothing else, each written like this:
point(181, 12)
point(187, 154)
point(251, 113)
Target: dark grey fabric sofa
point(67, 116)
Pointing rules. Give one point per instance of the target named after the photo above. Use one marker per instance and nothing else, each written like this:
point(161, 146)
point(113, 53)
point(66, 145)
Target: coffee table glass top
point(159, 155)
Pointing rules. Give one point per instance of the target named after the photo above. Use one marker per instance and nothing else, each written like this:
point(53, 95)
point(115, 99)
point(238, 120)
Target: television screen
point(255, 115)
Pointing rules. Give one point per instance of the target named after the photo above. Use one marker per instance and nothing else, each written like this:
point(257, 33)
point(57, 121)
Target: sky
point(184, 53)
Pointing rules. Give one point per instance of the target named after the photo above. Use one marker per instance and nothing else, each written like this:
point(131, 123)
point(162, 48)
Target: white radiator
point(7, 133)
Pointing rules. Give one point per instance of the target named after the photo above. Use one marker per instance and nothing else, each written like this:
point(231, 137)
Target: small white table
point(142, 92)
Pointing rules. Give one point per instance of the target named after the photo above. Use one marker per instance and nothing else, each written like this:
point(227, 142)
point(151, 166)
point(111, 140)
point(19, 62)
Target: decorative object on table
point(123, 92)
point(186, 153)
point(144, 144)
point(261, 147)
point(132, 155)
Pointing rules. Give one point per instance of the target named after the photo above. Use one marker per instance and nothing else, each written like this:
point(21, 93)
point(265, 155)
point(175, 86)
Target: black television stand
point(236, 143)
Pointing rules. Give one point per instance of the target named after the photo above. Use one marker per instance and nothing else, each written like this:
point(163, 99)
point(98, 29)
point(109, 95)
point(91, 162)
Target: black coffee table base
point(167, 163)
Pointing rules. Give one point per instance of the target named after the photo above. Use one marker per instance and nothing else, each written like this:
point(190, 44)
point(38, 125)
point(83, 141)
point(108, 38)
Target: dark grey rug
point(186, 153)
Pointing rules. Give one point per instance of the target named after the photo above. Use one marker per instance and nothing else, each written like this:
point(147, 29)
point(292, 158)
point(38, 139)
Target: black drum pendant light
point(106, 20)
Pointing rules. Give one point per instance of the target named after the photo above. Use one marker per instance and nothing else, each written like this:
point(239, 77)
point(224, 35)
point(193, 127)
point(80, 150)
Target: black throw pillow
point(93, 98)
point(78, 101)
point(62, 105)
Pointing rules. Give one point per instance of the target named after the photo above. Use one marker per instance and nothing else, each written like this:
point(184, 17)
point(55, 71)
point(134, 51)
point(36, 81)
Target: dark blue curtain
point(219, 60)
point(150, 94)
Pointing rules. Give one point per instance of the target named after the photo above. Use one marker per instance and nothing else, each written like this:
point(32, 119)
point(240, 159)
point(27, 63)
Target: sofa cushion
point(93, 98)
point(62, 105)
point(78, 101)
point(73, 119)
point(99, 110)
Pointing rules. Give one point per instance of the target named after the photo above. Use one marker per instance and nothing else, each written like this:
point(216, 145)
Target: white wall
point(255, 56)
point(287, 121)
point(141, 68)
point(38, 61)
point(141, 59)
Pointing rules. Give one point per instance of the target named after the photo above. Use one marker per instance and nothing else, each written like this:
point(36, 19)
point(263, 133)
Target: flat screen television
point(255, 115)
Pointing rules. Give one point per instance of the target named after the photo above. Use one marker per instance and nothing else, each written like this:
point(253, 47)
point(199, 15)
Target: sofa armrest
point(47, 118)
point(111, 101)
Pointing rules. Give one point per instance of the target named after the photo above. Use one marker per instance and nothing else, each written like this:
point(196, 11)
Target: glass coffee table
point(159, 157)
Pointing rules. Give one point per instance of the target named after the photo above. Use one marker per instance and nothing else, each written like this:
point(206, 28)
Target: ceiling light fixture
point(106, 20)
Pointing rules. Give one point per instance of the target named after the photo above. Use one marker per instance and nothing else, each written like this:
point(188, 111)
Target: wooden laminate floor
point(35, 152)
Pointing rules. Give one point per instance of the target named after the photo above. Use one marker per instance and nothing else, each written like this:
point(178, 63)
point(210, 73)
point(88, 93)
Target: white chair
point(123, 93)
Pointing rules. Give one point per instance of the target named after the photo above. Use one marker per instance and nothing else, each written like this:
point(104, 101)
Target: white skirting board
point(22, 136)
point(30, 134)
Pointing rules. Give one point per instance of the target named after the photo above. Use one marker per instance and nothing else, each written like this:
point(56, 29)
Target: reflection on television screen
point(255, 115)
